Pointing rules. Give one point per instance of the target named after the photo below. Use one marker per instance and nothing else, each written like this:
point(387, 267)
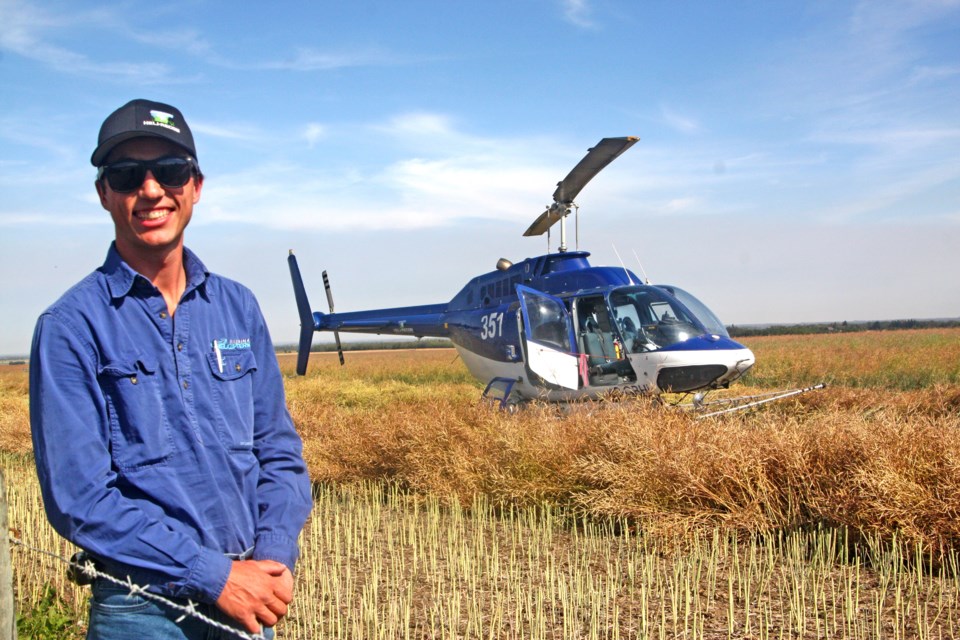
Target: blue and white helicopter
point(556, 328)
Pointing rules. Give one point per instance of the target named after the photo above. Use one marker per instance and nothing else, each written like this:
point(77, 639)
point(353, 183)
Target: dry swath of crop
point(875, 459)
point(14, 409)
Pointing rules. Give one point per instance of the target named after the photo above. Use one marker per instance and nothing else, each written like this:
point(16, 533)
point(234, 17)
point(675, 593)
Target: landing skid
point(731, 405)
point(499, 391)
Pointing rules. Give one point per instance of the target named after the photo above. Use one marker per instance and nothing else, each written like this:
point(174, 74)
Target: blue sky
point(798, 162)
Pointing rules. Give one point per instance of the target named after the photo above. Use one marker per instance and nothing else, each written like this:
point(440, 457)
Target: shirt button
point(237, 367)
point(186, 385)
point(133, 379)
point(163, 315)
point(180, 347)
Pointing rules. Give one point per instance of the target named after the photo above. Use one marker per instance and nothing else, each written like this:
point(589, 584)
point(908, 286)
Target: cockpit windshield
point(703, 313)
point(650, 318)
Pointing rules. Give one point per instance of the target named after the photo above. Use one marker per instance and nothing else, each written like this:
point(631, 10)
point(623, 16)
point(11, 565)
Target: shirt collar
point(121, 277)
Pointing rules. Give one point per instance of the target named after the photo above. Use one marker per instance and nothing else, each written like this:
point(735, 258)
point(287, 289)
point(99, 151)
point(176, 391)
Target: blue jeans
point(117, 615)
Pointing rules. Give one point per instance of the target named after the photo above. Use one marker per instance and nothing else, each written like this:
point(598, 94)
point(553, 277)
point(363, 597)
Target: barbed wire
point(88, 569)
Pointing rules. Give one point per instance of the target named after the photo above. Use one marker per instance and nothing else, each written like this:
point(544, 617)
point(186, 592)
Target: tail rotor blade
point(336, 334)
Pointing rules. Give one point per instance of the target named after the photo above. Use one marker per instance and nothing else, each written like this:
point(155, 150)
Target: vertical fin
point(307, 326)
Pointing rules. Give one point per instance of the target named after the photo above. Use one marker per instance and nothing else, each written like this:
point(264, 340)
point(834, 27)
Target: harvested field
point(832, 514)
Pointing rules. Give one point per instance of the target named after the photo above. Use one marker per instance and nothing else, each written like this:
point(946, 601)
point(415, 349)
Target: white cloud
point(408, 193)
point(428, 173)
point(683, 205)
point(22, 219)
point(679, 122)
point(419, 124)
point(882, 19)
point(883, 197)
point(181, 39)
point(229, 131)
point(577, 13)
point(313, 133)
point(938, 73)
point(24, 30)
point(310, 59)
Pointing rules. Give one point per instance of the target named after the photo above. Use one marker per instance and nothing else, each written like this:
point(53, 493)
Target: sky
point(798, 161)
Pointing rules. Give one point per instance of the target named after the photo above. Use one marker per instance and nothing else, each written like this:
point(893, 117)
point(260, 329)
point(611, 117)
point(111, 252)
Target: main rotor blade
point(598, 157)
point(546, 220)
point(593, 163)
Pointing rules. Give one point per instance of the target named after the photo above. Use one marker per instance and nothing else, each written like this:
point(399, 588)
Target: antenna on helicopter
point(625, 270)
point(598, 157)
point(646, 280)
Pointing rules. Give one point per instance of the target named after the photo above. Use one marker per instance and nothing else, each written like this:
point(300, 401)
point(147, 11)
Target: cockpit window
point(650, 319)
point(546, 320)
point(703, 313)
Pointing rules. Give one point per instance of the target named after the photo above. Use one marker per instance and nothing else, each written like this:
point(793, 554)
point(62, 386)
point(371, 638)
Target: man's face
point(150, 219)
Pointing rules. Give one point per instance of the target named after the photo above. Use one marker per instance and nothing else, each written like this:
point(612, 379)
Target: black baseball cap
point(139, 118)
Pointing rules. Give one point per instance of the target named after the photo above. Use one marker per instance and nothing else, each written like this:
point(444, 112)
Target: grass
point(834, 514)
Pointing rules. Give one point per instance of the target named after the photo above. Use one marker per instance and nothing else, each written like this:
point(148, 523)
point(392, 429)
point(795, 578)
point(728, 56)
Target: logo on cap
point(161, 119)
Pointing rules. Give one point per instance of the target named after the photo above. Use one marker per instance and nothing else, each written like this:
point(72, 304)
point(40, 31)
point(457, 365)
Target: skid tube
point(751, 401)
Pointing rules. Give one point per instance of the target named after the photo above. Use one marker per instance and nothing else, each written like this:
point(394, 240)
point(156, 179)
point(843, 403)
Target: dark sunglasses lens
point(125, 177)
point(172, 172)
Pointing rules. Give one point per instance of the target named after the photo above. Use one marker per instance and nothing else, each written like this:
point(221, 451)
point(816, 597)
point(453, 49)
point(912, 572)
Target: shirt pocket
point(232, 373)
point(139, 431)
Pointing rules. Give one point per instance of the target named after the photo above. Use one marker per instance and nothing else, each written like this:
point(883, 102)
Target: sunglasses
point(127, 175)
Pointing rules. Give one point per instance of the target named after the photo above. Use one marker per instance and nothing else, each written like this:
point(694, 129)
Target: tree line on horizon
point(747, 331)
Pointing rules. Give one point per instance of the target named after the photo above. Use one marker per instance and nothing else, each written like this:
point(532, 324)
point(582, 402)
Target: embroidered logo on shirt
point(230, 344)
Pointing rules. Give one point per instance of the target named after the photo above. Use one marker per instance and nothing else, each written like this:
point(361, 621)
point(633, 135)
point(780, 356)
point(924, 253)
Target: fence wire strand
point(88, 569)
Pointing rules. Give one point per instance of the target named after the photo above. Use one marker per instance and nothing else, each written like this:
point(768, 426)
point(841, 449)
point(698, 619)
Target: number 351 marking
point(491, 326)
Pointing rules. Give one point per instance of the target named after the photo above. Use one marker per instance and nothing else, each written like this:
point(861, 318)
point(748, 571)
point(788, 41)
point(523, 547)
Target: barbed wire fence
point(8, 619)
point(88, 570)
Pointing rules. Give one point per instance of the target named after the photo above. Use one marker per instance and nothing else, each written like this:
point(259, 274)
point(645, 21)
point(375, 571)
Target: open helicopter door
point(548, 334)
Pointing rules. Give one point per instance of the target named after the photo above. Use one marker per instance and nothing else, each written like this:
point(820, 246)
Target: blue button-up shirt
point(163, 442)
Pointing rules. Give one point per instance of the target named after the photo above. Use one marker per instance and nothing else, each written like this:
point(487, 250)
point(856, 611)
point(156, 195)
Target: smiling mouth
point(153, 214)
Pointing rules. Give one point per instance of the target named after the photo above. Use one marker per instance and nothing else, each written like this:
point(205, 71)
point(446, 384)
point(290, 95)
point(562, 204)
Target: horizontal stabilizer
point(420, 321)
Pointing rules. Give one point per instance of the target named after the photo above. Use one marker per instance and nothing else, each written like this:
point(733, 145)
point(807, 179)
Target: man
point(162, 441)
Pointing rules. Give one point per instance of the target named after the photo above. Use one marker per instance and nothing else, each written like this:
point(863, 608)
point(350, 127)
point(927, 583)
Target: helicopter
point(554, 327)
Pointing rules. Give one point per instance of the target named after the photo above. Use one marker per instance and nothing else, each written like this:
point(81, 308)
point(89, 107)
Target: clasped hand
point(257, 593)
